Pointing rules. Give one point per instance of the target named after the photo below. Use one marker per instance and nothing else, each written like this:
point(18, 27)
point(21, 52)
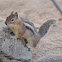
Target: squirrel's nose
point(6, 23)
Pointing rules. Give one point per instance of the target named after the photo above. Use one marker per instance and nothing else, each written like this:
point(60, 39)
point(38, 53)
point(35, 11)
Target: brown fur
point(20, 30)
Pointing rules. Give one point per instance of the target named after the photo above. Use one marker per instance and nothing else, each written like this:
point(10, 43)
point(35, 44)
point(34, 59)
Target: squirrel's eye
point(12, 19)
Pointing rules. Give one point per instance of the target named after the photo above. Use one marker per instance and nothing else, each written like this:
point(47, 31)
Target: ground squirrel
point(26, 29)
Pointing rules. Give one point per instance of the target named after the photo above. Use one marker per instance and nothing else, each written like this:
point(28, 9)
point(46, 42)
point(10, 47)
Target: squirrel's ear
point(16, 14)
point(12, 12)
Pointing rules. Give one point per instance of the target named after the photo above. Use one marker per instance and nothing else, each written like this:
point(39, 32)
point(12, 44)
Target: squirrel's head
point(13, 19)
point(14, 22)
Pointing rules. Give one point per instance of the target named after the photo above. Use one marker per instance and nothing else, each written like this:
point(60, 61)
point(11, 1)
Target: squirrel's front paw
point(7, 30)
point(14, 37)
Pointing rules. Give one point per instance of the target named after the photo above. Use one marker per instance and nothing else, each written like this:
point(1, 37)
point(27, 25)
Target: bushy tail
point(45, 27)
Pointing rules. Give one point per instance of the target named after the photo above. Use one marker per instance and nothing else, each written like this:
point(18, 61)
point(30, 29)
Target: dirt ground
point(38, 11)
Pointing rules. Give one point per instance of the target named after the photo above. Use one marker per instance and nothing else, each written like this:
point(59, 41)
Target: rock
point(14, 48)
point(50, 58)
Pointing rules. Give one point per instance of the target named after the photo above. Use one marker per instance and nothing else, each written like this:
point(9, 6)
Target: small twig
point(57, 6)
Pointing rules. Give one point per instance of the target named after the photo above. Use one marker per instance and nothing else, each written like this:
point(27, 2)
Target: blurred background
point(35, 10)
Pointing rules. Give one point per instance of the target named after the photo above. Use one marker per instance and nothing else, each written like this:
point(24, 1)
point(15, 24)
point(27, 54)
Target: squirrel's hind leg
point(24, 41)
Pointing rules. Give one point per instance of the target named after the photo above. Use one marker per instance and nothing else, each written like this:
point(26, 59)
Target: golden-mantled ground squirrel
point(25, 28)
